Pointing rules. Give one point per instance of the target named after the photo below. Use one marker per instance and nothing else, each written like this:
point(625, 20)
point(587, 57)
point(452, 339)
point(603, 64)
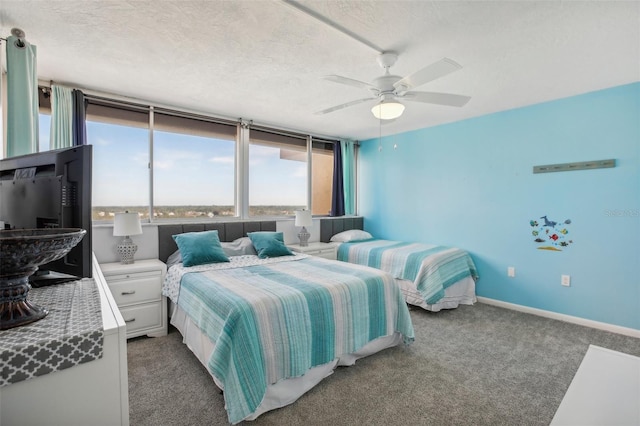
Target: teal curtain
point(348, 176)
point(61, 117)
point(22, 97)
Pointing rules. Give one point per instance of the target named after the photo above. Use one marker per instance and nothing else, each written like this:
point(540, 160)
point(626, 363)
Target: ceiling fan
point(388, 89)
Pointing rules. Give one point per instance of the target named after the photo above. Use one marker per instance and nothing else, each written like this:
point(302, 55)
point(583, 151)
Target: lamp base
point(127, 248)
point(304, 237)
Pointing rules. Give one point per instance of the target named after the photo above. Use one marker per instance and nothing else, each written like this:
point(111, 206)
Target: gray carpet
point(475, 365)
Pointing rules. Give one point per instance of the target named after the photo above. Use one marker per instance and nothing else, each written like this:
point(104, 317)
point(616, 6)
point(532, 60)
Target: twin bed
point(269, 329)
point(429, 276)
point(269, 324)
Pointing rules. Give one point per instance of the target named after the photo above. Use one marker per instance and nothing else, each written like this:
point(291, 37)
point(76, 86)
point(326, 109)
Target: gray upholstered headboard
point(227, 231)
point(332, 225)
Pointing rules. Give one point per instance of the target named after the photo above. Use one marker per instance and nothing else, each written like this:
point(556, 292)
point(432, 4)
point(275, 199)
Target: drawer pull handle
point(124, 293)
point(130, 320)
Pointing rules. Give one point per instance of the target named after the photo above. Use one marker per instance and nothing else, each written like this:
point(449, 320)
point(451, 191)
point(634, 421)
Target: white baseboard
point(631, 332)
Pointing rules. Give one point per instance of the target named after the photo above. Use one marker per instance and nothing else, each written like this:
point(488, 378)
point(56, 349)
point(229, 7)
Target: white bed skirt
point(462, 292)
point(284, 392)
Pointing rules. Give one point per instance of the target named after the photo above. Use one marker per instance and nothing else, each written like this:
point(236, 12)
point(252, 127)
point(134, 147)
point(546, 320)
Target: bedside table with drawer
point(137, 290)
point(326, 250)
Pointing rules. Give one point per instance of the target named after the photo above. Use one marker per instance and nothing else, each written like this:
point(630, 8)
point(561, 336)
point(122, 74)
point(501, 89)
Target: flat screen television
point(51, 189)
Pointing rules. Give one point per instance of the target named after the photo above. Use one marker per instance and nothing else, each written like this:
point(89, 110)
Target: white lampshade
point(387, 110)
point(303, 218)
point(125, 224)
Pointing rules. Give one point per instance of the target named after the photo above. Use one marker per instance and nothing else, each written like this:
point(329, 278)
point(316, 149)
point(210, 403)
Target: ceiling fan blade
point(448, 99)
point(350, 82)
point(342, 106)
point(436, 70)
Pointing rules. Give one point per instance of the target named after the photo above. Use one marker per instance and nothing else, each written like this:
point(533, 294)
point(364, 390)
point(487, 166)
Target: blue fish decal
point(548, 222)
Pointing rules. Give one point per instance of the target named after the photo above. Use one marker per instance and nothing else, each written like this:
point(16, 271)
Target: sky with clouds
point(188, 170)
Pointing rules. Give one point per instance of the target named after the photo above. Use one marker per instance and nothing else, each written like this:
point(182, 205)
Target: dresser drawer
point(142, 317)
point(325, 250)
point(135, 290)
point(327, 253)
point(112, 278)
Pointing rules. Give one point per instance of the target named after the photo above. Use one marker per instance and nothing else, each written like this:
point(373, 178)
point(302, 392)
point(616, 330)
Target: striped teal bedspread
point(431, 268)
point(274, 321)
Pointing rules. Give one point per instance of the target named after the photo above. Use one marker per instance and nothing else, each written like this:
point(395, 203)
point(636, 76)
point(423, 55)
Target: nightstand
point(137, 290)
point(326, 250)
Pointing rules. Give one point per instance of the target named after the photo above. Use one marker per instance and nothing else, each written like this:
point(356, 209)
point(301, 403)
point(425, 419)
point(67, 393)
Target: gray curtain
point(79, 118)
point(337, 199)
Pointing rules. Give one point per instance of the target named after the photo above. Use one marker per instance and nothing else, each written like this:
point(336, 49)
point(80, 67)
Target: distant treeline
point(190, 212)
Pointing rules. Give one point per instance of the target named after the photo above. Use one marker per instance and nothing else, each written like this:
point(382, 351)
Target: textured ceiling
point(264, 60)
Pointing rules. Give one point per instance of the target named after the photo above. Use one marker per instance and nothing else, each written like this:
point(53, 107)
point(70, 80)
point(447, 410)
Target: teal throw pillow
point(198, 248)
point(269, 244)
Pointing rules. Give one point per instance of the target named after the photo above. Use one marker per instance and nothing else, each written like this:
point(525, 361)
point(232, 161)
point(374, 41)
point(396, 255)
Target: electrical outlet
point(565, 280)
point(511, 271)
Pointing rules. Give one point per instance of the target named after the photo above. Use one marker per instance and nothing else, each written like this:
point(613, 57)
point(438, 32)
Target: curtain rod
point(20, 35)
point(19, 42)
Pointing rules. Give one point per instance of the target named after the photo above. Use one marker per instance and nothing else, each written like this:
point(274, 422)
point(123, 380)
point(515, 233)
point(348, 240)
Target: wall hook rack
point(568, 167)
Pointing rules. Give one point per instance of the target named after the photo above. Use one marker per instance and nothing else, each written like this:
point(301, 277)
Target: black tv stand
point(46, 278)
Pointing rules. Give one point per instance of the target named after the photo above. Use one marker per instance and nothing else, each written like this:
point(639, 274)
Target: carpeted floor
point(475, 365)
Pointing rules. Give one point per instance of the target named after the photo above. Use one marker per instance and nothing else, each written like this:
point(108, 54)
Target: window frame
point(241, 178)
point(274, 138)
point(202, 126)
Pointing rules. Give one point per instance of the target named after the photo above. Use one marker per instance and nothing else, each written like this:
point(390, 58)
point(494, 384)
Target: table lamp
point(303, 218)
point(124, 225)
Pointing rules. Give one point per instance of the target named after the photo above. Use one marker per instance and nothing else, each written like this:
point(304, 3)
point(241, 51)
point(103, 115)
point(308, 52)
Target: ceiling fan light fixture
point(387, 110)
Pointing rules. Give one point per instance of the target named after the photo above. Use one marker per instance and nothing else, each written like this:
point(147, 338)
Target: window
point(193, 168)
point(44, 120)
point(167, 164)
point(277, 174)
point(44, 132)
point(120, 139)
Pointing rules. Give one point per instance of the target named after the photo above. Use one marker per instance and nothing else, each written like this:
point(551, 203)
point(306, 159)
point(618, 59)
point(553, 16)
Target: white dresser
point(604, 391)
point(94, 393)
point(137, 289)
point(326, 250)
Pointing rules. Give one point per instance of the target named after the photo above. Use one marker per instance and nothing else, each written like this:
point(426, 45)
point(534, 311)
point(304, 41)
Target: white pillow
point(174, 259)
point(352, 235)
point(240, 247)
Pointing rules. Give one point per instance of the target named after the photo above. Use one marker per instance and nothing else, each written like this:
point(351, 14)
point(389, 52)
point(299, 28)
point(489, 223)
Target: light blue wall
point(470, 184)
